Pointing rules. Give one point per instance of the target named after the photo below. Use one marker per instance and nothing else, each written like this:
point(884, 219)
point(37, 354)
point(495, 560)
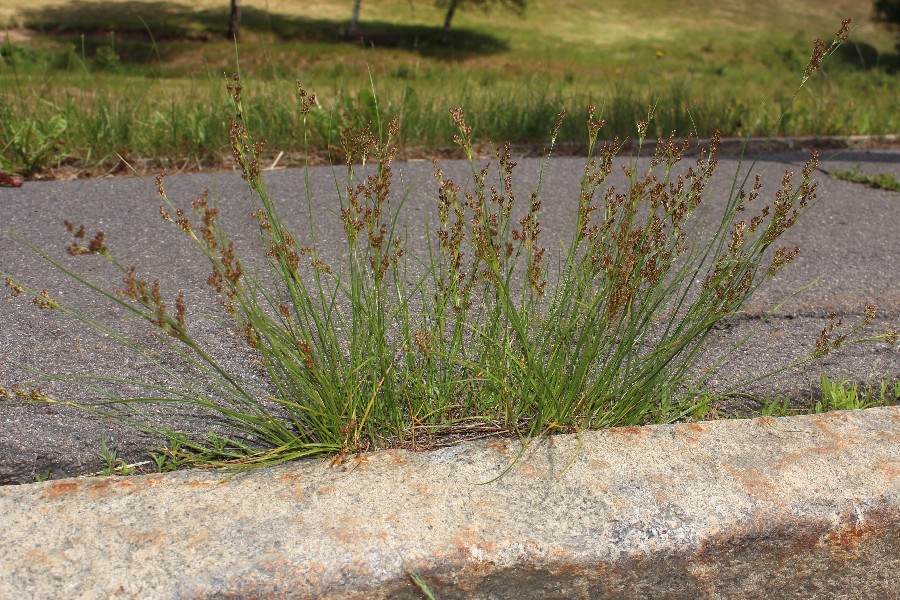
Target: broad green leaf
point(55, 126)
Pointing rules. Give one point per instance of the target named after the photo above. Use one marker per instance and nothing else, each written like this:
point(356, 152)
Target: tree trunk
point(355, 20)
point(234, 21)
point(445, 34)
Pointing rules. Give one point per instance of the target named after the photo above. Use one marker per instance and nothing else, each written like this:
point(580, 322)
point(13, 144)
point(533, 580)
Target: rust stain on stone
point(469, 543)
point(274, 563)
point(784, 537)
point(756, 484)
point(347, 531)
point(818, 421)
point(396, 458)
point(633, 431)
point(563, 567)
point(328, 489)
point(393, 529)
point(890, 436)
point(500, 446)
point(153, 537)
point(858, 531)
point(293, 481)
point(890, 468)
point(660, 484)
point(804, 538)
point(95, 488)
point(766, 421)
point(125, 484)
point(695, 427)
point(63, 488)
point(108, 484)
point(361, 460)
point(788, 459)
point(196, 541)
point(776, 534)
point(199, 484)
point(690, 431)
point(37, 559)
point(835, 444)
point(598, 464)
point(528, 470)
point(463, 536)
point(834, 416)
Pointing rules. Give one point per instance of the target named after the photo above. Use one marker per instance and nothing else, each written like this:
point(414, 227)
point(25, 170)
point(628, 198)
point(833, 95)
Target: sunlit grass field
point(145, 79)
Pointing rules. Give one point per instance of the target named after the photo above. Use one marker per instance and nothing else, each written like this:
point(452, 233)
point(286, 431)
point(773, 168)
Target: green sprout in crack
point(43, 476)
point(836, 394)
point(883, 181)
point(421, 584)
point(113, 465)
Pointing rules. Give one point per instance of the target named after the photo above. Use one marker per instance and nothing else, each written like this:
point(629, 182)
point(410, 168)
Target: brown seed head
point(869, 314)
point(16, 289)
point(307, 100)
point(45, 301)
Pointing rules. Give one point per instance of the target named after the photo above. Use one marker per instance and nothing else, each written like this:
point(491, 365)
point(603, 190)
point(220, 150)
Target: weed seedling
point(845, 395)
point(776, 407)
point(421, 584)
point(43, 476)
point(113, 464)
point(884, 181)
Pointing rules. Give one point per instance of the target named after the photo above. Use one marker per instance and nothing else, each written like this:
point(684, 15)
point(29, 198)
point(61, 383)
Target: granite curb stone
point(798, 507)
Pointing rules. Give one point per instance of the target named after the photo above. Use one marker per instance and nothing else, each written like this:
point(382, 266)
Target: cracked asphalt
point(849, 245)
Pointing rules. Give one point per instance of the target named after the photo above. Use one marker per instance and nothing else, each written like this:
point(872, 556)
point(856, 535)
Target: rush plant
point(377, 348)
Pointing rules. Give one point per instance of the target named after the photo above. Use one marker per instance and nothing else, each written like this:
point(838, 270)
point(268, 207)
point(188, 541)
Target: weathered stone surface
point(803, 507)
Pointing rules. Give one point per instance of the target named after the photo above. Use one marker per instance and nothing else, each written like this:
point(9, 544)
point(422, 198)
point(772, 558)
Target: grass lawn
point(144, 79)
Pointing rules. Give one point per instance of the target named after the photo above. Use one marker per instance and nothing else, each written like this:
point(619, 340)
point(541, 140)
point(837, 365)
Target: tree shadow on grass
point(133, 23)
point(864, 56)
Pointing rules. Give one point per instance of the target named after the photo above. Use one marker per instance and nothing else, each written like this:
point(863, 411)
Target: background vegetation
point(144, 79)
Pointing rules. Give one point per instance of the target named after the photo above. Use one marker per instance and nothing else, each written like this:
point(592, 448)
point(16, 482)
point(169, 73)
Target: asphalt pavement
point(849, 242)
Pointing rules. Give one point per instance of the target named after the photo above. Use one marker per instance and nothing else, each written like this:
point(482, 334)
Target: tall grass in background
point(102, 112)
point(378, 348)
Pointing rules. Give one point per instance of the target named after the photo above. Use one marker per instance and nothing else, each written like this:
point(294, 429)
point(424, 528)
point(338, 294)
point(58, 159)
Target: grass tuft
point(838, 395)
point(883, 181)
